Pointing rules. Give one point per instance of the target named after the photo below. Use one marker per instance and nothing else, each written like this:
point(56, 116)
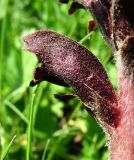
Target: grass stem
point(2, 45)
point(45, 150)
point(5, 152)
point(16, 110)
point(85, 38)
point(30, 125)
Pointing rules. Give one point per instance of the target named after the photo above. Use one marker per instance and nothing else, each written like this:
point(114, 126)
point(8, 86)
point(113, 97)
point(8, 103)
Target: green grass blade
point(45, 150)
point(30, 125)
point(5, 152)
point(77, 108)
point(16, 110)
point(2, 39)
point(38, 99)
point(85, 38)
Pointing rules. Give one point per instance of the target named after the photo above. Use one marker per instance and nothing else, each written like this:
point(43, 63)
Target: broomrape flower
point(67, 63)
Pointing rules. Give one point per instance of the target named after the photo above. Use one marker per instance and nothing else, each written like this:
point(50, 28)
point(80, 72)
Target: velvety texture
point(65, 62)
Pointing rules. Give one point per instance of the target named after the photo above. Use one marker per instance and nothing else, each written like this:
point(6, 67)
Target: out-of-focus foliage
point(62, 131)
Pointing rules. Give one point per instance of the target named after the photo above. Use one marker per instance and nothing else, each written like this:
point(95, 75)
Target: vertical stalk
point(2, 45)
point(122, 138)
point(30, 125)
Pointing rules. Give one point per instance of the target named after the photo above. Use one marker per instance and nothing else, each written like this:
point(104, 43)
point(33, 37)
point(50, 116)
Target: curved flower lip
point(65, 62)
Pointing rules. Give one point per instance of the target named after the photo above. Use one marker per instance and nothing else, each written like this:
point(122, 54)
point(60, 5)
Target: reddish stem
point(122, 139)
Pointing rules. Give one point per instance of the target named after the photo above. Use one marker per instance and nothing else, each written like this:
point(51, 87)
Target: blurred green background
point(61, 131)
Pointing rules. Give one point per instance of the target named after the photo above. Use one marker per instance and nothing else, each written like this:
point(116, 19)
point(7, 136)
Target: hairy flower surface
point(65, 62)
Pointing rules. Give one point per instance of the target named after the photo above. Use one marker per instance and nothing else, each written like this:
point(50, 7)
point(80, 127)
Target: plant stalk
point(122, 139)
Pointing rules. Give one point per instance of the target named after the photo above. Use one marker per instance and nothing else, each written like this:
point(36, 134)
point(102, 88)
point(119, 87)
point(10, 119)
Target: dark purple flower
point(65, 62)
point(114, 18)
